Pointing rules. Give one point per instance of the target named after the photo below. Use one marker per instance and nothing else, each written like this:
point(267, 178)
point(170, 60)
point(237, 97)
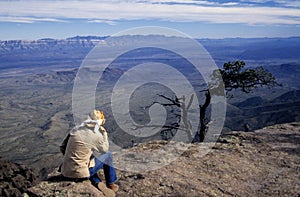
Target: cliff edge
point(261, 163)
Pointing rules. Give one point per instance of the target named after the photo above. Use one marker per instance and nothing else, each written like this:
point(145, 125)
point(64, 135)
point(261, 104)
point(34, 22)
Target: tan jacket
point(78, 147)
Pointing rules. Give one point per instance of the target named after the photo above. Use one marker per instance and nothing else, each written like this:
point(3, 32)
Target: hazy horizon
point(104, 36)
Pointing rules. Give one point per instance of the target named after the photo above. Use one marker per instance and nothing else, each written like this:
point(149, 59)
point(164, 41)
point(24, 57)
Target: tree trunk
point(203, 120)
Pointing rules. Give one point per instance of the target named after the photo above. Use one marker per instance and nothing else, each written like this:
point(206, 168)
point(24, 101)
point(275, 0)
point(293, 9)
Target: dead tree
point(184, 106)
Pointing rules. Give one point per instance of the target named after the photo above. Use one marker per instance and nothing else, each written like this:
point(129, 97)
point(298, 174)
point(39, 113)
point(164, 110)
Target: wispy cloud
point(111, 12)
point(21, 19)
point(102, 21)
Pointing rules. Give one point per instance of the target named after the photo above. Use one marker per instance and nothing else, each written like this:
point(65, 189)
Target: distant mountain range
point(17, 54)
point(49, 43)
point(220, 49)
point(259, 49)
point(27, 57)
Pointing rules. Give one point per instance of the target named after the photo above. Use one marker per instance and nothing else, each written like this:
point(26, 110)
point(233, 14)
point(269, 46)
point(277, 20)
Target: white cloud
point(195, 2)
point(21, 19)
point(102, 21)
point(168, 10)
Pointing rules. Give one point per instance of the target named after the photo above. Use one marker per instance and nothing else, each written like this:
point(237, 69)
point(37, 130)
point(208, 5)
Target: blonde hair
point(97, 115)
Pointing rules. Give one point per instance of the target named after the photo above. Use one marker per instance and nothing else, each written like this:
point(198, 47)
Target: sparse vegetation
point(234, 76)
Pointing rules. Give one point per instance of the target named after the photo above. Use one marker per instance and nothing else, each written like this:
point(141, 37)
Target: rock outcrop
point(15, 178)
point(56, 185)
point(261, 163)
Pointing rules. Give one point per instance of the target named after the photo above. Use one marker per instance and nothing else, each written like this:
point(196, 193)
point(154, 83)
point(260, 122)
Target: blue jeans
point(104, 161)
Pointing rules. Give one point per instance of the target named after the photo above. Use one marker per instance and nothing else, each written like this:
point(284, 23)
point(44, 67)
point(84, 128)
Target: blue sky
point(33, 19)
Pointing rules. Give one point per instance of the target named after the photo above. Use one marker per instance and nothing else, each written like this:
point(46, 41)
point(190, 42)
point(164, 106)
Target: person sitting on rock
point(85, 151)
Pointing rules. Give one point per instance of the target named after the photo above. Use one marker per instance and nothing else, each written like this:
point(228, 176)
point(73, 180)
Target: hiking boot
point(113, 187)
point(106, 191)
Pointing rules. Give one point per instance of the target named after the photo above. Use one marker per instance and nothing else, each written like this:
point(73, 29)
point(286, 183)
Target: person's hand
point(102, 129)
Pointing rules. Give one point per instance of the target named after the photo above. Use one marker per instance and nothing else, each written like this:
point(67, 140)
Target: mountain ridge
point(91, 41)
point(24, 57)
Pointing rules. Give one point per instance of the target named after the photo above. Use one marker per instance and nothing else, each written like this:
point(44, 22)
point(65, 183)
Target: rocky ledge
point(15, 178)
point(55, 185)
point(261, 163)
